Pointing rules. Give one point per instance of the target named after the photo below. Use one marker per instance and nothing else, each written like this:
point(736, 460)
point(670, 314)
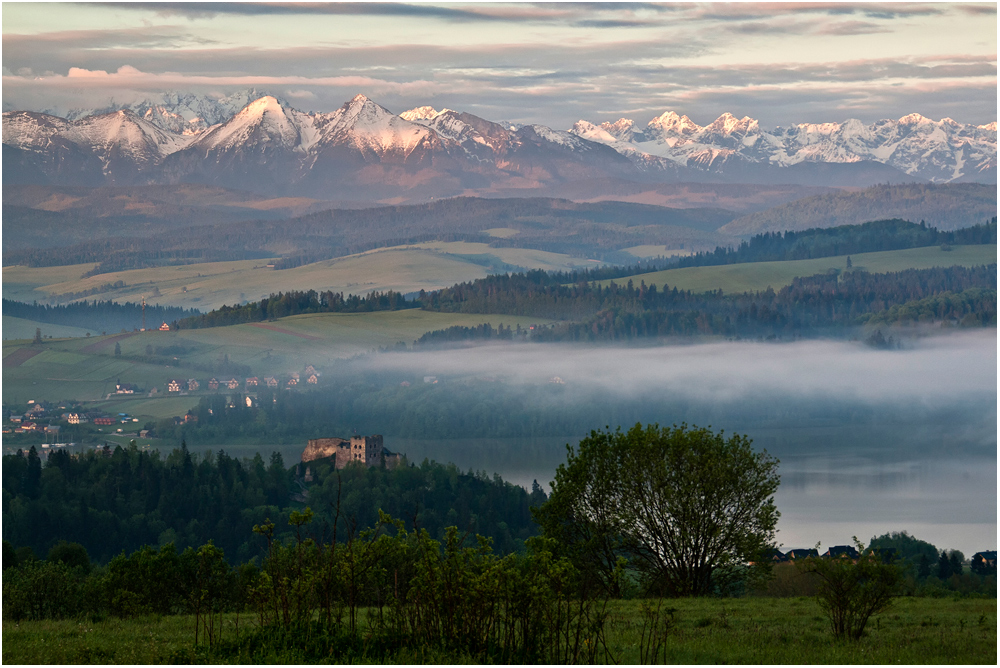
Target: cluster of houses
point(41, 419)
point(310, 376)
point(981, 562)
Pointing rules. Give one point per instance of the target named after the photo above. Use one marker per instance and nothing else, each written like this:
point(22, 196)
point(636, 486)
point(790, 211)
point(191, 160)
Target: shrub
point(851, 591)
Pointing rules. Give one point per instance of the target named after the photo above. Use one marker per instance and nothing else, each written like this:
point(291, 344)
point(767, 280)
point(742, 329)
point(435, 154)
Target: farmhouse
point(984, 562)
point(164, 327)
point(174, 386)
point(233, 384)
point(193, 385)
point(271, 381)
point(842, 551)
point(367, 450)
point(213, 384)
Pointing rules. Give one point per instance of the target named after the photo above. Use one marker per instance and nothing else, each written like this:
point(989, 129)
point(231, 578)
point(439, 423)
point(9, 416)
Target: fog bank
point(930, 370)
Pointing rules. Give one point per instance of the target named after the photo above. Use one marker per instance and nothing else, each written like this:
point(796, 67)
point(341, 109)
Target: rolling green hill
point(206, 286)
point(753, 276)
point(86, 369)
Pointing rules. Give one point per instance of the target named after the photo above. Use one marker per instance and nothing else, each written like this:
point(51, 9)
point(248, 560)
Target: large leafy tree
point(679, 504)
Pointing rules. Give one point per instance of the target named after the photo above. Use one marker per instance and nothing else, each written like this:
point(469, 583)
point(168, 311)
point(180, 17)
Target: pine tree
point(955, 560)
point(118, 349)
point(944, 566)
point(923, 567)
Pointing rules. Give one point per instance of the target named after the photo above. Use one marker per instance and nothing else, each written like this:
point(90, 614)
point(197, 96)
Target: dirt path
point(101, 345)
point(282, 330)
point(20, 356)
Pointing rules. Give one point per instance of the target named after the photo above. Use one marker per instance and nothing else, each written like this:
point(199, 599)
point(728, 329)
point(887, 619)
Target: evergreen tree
point(118, 349)
point(944, 566)
point(955, 561)
point(924, 567)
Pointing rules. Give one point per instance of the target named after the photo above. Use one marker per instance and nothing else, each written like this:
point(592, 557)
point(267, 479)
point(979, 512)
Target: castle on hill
point(367, 450)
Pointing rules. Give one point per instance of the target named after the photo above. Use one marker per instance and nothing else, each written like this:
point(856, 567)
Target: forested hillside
point(879, 235)
point(945, 206)
point(809, 305)
point(120, 500)
point(560, 226)
point(98, 316)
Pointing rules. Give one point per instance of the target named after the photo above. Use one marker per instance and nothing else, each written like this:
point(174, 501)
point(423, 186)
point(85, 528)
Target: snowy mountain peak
point(420, 114)
point(991, 127)
point(262, 121)
point(264, 105)
point(727, 124)
point(588, 130)
point(914, 119)
point(623, 129)
point(670, 122)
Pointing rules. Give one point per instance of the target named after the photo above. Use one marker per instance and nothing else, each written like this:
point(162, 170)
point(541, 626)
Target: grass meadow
point(704, 631)
point(206, 286)
point(754, 276)
point(19, 328)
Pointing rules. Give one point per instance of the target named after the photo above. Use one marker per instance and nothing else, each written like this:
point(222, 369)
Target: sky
point(522, 62)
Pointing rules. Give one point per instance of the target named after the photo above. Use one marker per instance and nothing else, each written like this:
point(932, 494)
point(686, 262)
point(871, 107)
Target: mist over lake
point(869, 440)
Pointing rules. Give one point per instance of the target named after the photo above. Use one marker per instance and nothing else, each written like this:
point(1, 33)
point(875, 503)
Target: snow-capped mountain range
point(938, 151)
point(259, 142)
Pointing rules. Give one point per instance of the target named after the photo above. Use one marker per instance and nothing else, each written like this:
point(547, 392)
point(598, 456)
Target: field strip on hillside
point(19, 357)
point(104, 343)
point(282, 330)
point(755, 276)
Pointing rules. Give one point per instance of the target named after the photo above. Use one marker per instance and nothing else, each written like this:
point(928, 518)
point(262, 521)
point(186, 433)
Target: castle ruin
point(367, 450)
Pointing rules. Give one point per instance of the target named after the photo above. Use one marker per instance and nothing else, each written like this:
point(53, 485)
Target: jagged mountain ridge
point(937, 151)
point(365, 151)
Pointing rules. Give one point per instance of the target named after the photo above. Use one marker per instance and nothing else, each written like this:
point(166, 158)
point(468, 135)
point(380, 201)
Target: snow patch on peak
point(424, 113)
point(588, 130)
point(727, 124)
point(263, 105)
point(914, 119)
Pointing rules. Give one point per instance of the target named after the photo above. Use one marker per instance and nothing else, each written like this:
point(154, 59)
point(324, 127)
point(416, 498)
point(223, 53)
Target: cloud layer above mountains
point(544, 63)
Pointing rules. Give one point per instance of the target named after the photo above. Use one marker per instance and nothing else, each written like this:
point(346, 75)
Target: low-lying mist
point(869, 440)
point(932, 370)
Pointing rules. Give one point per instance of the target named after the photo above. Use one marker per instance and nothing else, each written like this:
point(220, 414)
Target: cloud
point(851, 28)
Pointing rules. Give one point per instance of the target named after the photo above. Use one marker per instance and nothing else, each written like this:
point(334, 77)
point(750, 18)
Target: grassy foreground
point(749, 630)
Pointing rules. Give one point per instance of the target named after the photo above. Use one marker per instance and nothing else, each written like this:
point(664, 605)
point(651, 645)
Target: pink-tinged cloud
point(130, 77)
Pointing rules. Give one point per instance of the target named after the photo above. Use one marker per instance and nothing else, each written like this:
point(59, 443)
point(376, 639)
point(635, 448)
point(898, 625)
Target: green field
point(19, 328)
point(207, 286)
point(706, 631)
point(82, 369)
point(754, 276)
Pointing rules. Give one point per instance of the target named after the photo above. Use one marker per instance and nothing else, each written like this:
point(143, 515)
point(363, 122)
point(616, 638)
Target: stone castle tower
point(367, 450)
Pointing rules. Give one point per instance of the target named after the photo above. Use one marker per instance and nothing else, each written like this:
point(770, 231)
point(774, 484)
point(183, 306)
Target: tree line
point(106, 316)
point(809, 304)
point(121, 499)
point(880, 235)
point(295, 302)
